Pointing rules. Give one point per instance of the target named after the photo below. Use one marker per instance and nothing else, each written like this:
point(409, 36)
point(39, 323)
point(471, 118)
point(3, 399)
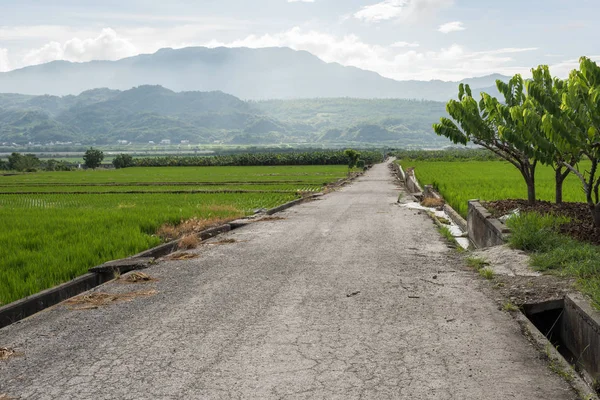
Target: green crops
point(48, 239)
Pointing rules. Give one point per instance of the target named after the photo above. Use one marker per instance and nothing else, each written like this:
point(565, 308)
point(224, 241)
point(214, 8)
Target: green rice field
point(459, 182)
point(54, 226)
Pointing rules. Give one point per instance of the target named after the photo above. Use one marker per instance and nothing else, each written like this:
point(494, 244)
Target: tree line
point(544, 120)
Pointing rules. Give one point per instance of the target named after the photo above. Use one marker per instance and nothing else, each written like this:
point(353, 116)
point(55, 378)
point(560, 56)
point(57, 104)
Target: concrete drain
point(574, 333)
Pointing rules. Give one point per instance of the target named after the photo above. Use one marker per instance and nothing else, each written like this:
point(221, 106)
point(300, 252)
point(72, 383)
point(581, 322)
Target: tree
point(123, 161)
point(93, 158)
point(20, 162)
point(496, 126)
point(545, 94)
point(352, 156)
point(575, 128)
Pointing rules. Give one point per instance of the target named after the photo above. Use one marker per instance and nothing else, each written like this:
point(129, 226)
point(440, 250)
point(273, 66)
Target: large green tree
point(574, 128)
point(545, 95)
point(496, 126)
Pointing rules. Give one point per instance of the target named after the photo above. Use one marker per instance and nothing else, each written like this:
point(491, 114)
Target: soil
point(581, 226)
point(520, 290)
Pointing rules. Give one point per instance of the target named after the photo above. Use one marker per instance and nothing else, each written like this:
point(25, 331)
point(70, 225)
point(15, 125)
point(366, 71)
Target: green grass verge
point(556, 253)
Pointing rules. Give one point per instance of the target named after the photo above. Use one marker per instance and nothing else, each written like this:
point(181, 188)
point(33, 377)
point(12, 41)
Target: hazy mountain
point(267, 73)
point(153, 113)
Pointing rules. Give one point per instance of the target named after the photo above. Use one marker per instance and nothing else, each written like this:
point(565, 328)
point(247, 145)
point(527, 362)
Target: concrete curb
point(484, 230)
point(454, 216)
point(103, 273)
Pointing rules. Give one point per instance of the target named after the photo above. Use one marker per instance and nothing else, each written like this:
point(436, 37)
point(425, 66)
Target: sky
point(399, 39)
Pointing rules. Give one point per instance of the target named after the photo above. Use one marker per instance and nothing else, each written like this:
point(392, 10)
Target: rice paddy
point(54, 226)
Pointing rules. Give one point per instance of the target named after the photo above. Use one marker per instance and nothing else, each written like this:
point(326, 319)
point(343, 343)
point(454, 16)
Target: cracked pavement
point(336, 301)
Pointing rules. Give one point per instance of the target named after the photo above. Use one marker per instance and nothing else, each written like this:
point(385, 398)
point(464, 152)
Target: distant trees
point(93, 158)
point(123, 161)
point(21, 163)
point(554, 122)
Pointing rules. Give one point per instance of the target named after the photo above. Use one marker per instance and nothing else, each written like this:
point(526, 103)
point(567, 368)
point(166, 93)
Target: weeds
point(509, 307)
point(6, 353)
point(476, 262)
point(137, 277)
point(556, 253)
point(557, 367)
point(188, 242)
point(99, 299)
point(432, 202)
point(487, 273)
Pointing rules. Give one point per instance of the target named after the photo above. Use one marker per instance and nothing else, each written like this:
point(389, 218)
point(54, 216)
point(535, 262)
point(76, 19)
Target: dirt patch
point(182, 256)
point(136, 277)
point(99, 299)
point(527, 289)
point(506, 261)
point(6, 353)
point(7, 397)
point(580, 227)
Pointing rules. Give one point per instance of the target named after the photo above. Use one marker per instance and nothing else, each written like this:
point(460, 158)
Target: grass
point(476, 262)
point(556, 253)
point(48, 239)
point(509, 307)
point(459, 182)
point(487, 273)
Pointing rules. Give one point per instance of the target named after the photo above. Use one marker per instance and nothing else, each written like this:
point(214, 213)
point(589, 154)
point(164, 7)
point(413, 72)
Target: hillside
point(152, 113)
point(267, 73)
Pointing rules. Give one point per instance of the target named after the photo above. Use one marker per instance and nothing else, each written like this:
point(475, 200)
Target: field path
point(347, 297)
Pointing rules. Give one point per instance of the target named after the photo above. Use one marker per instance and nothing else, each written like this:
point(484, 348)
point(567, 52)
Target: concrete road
point(336, 301)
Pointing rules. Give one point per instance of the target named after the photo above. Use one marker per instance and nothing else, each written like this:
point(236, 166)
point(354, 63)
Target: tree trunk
point(595, 209)
point(560, 177)
point(528, 172)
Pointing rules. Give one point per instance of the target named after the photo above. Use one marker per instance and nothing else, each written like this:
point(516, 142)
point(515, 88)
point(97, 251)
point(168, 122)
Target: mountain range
point(265, 73)
point(147, 114)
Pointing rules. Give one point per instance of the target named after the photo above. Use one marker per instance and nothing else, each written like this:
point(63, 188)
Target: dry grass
point(137, 277)
point(193, 225)
point(99, 299)
point(6, 353)
point(270, 219)
point(432, 202)
point(6, 397)
point(182, 256)
point(224, 241)
point(188, 242)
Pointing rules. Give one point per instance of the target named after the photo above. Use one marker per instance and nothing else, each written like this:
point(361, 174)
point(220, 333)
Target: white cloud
point(408, 10)
point(398, 62)
point(453, 26)
point(4, 65)
point(107, 46)
point(404, 44)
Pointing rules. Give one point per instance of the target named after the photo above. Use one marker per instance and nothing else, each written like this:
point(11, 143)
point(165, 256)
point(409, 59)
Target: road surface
point(347, 297)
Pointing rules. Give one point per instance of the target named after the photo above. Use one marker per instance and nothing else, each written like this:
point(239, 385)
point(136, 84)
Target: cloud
point(300, 1)
point(4, 65)
point(408, 10)
point(404, 44)
point(107, 46)
point(453, 26)
point(399, 61)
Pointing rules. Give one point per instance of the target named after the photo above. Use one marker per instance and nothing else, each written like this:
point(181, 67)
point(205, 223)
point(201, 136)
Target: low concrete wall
point(457, 218)
point(484, 231)
point(580, 330)
point(28, 306)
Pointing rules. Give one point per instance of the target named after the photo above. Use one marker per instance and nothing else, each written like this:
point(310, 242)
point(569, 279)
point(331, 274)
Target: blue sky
point(400, 39)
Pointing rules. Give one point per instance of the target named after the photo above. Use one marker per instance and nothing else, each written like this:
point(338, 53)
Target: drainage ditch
point(572, 332)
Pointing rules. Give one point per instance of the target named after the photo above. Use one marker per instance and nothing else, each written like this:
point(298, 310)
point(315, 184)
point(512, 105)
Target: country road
point(347, 297)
